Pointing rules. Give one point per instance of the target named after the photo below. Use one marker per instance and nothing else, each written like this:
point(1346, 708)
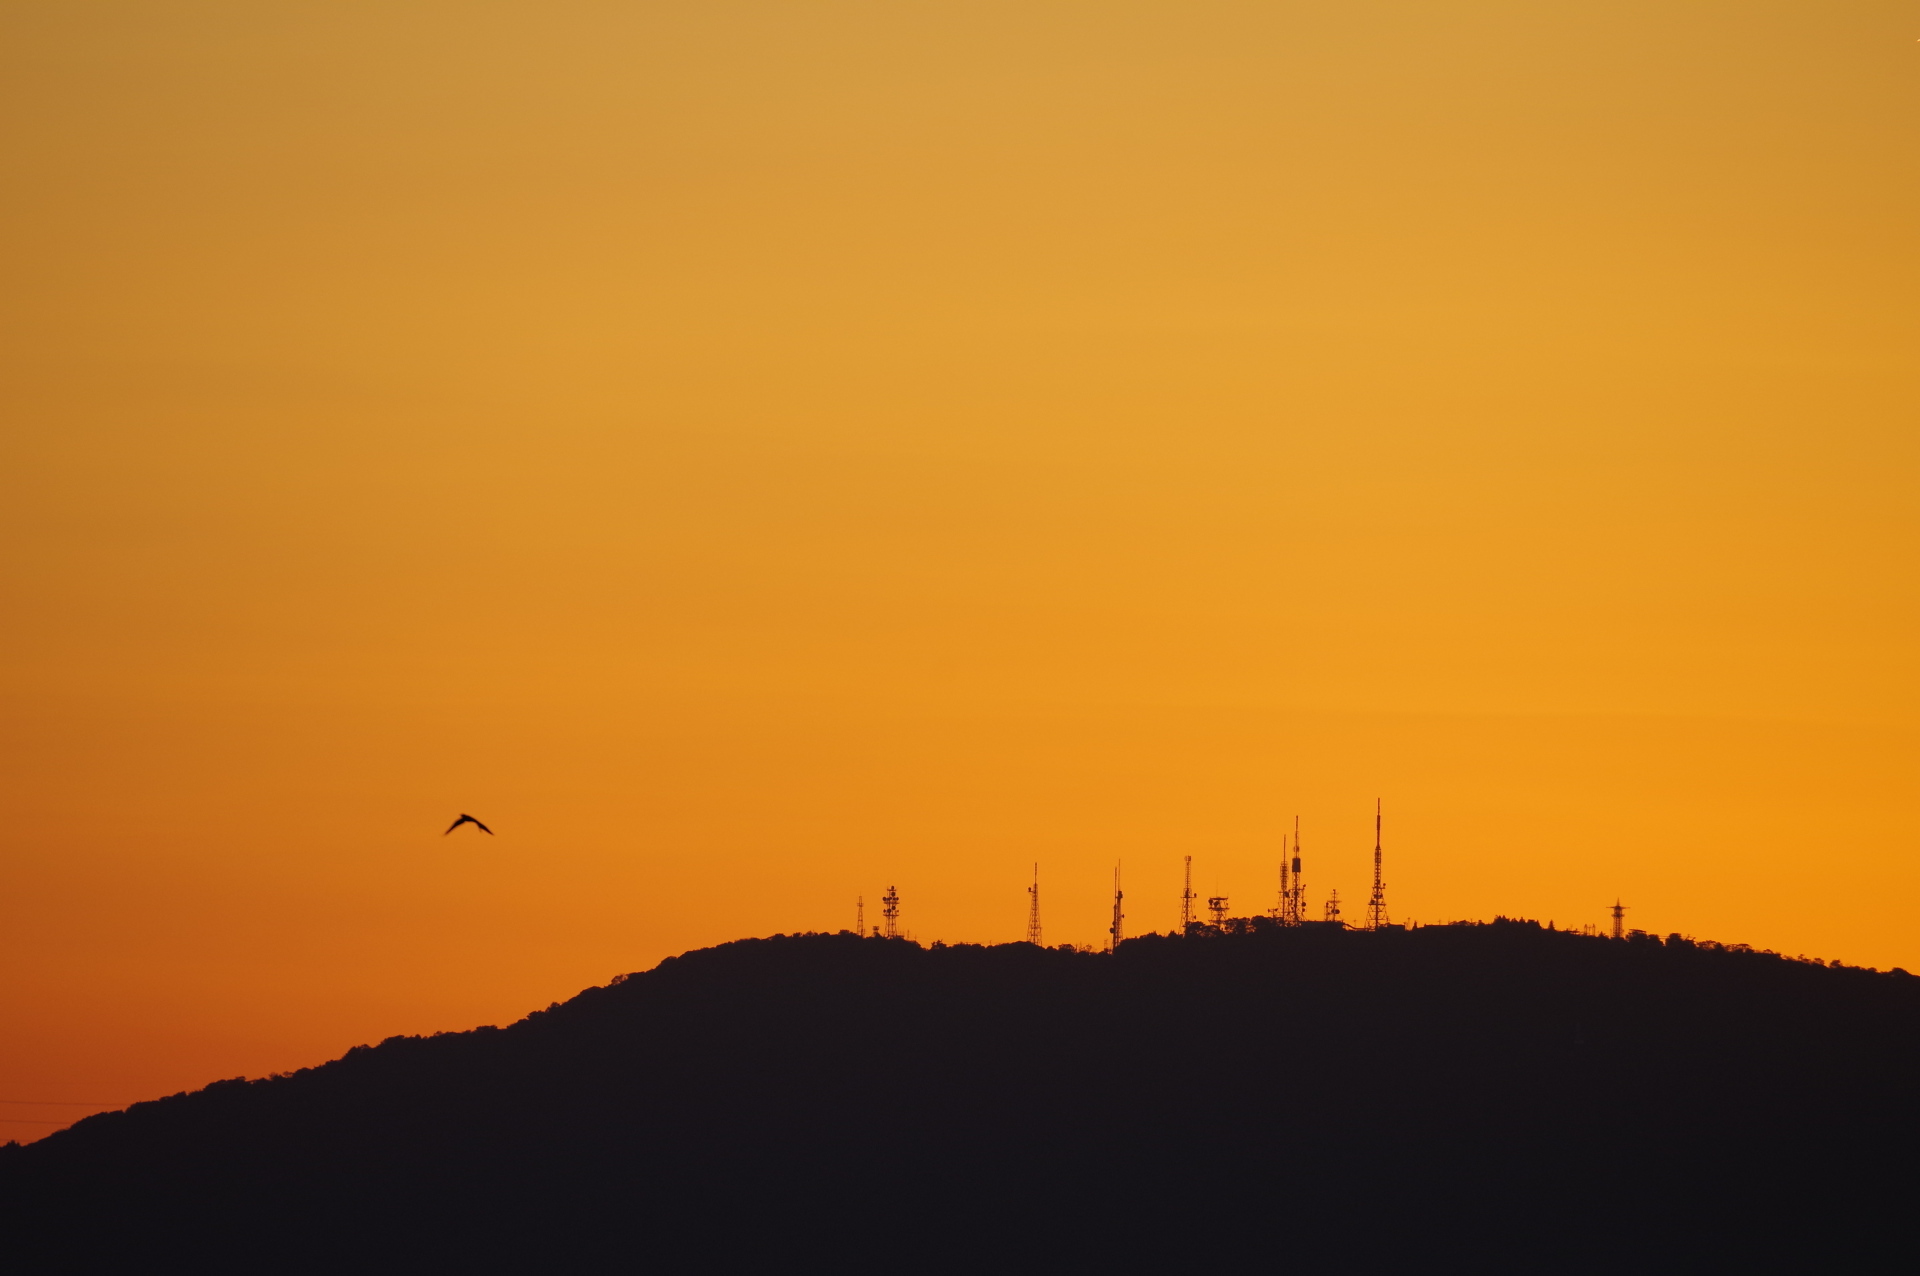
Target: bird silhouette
point(468, 819)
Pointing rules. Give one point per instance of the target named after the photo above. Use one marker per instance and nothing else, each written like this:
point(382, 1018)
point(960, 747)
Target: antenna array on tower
point(890, 913)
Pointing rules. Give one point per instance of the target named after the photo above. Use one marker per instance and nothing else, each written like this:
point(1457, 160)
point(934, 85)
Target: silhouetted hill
point(1488, 1097)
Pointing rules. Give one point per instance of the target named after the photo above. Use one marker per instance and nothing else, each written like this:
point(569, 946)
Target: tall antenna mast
point(1033, 908)
point(1619, 919)
point(1186, 900)
point(860, 915)
point(1280, 910)
point(890, 913)
point(1332, 913)
point(1119, 918)
point(1295, 911)
point(1377, 905)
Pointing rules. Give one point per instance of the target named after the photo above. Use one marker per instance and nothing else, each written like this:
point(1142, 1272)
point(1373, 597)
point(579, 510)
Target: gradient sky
point(751, 454)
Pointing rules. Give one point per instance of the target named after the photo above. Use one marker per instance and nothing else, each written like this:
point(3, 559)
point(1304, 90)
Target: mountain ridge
point(1487, 1088)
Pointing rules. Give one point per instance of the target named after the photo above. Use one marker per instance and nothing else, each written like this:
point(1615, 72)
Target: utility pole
point(1119, 918)
point(1619, 919)
point(1186, 899)
point(1377, 904)
point(890, 912)
point(1033, 908)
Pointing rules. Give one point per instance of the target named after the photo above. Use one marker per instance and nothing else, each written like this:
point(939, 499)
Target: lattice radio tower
point(1117, 930)
point(1033, 908)
point(1294, 908)
point(1377, 902)
point(1217, 905)
point(1280, 909)
point(1186, 899)
point(890, 914)
point(860, 915)
point(1332, 912)
point(1619, 919)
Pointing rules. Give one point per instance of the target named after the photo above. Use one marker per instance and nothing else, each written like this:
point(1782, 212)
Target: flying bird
point(468, 819)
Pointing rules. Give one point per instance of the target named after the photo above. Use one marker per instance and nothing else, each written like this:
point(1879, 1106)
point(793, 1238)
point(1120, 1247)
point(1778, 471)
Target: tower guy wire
point(1377, 902)
point(1033, 908)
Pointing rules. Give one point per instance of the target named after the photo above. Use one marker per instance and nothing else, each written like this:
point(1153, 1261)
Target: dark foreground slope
point(1497, 1097)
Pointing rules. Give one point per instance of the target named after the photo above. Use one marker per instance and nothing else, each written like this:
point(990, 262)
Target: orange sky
point(752, 454)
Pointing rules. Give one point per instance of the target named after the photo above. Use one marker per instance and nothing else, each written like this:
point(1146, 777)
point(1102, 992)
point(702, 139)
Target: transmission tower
point(1295, 909)
point(860, 915)
point(1619, 919)
point(1217, 905)
point(1280, 909)
point(1186, 899)
point(1117, 930)
point(1332, 911)
point(1033, 908)
point(1377, 903)
point(890, 912)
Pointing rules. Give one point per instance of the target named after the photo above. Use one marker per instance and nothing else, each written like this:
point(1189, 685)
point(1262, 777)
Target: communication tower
point(890, 912)
point(1619, 919)
point(1280, 909)
point(860, 915)
point(1186, 899)
point(1033, 908)
point(1294, 908)
point(1332, 911)
point(1117, 930)
point(1217, 905)
point(1377, 903)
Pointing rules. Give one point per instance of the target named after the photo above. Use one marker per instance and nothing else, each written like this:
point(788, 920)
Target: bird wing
point(483, 828)
point(465, 819)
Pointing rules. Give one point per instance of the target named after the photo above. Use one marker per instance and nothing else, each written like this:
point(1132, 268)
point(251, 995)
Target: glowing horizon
point(752, 455)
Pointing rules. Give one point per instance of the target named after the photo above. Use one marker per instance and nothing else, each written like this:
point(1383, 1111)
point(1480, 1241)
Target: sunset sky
point(752, 454)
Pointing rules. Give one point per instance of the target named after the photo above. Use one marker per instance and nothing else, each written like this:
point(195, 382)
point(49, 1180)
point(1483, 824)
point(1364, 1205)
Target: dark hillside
point(1498, 1097)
